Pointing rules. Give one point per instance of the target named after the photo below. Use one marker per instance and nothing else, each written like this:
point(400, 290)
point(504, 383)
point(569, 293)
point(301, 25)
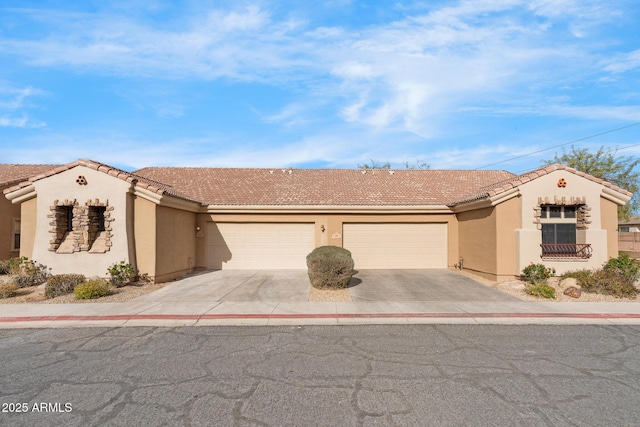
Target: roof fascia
point(487, 202)
point(167, 201)
point(431, 209)
point(21, 194)
point(615, 196)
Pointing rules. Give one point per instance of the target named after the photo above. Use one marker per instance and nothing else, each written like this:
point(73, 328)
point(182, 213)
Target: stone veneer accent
point(583, 211)
point(85, 227)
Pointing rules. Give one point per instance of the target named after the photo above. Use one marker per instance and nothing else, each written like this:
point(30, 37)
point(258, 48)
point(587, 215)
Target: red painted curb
point(322, 316)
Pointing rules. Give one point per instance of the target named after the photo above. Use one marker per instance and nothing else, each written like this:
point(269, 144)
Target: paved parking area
point(293, 286)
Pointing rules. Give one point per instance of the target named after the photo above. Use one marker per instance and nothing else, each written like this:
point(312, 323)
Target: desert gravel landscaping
point(35, 295)
point(515, 288)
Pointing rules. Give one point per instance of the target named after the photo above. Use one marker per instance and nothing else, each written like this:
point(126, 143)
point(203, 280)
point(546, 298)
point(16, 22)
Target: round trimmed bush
point(92, 289)
point(330, 267)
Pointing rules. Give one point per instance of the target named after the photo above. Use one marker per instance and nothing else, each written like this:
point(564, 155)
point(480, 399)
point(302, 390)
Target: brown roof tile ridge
point(109, 170)
point(29, 164)
point(502, 186)
point(25, 183)
point(121, 174)
point(559, 166)
point(24, 177)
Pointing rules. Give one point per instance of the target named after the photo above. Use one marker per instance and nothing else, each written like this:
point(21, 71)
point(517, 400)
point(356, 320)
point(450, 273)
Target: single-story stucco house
point(168, 221)
point(629, 236)
point(11, 175)
point(630, 225)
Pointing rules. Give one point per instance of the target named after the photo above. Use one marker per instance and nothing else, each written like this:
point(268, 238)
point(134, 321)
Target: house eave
point(378, 209)
point(21, 194)
point(167, 201)
point(487, 202)
point(615, 196)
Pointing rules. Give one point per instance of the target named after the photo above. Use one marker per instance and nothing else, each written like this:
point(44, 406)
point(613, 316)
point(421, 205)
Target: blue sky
point(335, 83)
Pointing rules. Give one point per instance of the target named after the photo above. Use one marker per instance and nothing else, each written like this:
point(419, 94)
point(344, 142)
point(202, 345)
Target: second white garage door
point(396, 245)
point(258, 245)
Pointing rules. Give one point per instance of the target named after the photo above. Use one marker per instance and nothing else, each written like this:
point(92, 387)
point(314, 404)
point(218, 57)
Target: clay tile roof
point(323, 187)
point(13, 174)
point(148, 184)
point(502, 186)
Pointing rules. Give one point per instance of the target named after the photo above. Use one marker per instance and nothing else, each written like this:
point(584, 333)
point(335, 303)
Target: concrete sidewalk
point(171, 314)
point(280, 298)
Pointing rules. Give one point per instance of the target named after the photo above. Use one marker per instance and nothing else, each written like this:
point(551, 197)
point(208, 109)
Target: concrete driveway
point(420, 285)
point(293, 286)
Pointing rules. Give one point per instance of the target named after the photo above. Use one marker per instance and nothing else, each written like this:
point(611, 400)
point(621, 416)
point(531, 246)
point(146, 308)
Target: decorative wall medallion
point(562, 183)
point(81, 180)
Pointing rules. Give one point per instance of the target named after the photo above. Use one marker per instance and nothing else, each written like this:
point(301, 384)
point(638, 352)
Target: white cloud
point(498, 57)
point(13, 122)
point(598, 112)
point(624, 62)
point(13, 101)
point(251, 18)
point(288, 116)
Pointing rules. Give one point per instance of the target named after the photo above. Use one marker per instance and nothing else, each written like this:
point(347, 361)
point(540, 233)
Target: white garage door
point(258, 245)
point(396, 245)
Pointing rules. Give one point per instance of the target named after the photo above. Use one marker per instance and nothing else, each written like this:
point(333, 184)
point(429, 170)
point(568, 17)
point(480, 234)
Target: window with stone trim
point(560, 237)
point(77, 227)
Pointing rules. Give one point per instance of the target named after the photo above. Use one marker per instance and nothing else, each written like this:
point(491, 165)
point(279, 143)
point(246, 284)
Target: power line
point(604, 152)
point(560, 145)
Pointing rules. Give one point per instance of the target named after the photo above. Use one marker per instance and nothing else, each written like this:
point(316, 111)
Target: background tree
point(620, 171)
point(419, 164)
point(374, 165)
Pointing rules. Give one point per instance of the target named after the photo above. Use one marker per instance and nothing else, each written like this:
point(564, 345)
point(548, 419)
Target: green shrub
point(534, 273)
point(4, 266)
point(62, 284)
point(625, 265)
point(330, 267)
point(613, 282)
point(585, 277)
point(92, 289)
point(540, 289)
point(121, 274)
point(8, 290)
point(25, 272)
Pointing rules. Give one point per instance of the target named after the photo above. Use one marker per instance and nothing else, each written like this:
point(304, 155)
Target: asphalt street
point(369, 375)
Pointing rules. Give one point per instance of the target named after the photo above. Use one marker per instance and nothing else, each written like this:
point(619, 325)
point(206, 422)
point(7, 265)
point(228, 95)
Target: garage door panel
point(397, 245)
point(259, 245)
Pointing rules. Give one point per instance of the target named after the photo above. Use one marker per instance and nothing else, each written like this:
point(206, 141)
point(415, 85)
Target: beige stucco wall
point(99, 186)
point(487, 239)
point(144, 225)
point(332, 222)
point(508, 219)
point(529, 238)
point(8, 213)
point(610, 224)
point(175, 243)
point(477, 241)
point(29, 214)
